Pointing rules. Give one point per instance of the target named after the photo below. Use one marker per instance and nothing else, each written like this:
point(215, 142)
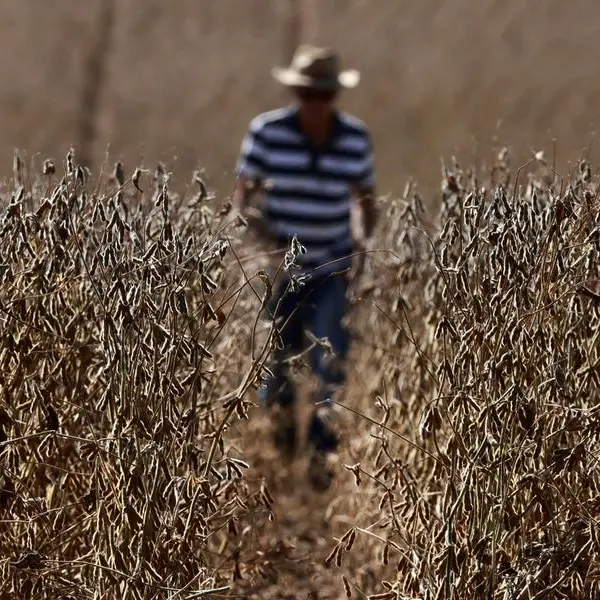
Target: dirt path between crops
point(293, 547)
point(299, 539)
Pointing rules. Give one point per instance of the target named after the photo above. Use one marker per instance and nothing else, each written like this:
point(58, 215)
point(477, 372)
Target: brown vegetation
point(131, 345)
point(133, 461)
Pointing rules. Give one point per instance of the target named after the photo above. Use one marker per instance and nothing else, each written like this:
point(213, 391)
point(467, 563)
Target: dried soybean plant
point(484, 441)
point(115, 478)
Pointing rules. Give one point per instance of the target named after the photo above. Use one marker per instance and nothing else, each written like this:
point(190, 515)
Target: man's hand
point(258, 227)
point(365, 213)
point(364, 218)
point(257, 223)
point(245, 191)
point(354, 275)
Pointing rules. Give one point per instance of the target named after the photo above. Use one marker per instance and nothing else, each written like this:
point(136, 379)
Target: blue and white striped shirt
point(309, 188)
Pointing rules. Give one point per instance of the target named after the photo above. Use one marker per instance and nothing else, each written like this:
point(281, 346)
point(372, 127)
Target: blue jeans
point(319, 306)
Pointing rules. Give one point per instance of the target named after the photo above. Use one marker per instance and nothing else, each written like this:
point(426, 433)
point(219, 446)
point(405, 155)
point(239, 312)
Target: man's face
point(316, 103)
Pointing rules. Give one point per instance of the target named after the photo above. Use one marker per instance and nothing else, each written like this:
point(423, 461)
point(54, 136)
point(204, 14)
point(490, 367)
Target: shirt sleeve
point(252, 160)
point(366, 178)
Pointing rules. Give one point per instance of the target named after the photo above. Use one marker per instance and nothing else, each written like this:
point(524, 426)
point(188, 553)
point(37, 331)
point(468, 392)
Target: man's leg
point(329, 306)
point(279, 396)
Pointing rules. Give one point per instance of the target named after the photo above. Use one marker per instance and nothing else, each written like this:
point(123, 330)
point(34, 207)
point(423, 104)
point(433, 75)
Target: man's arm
point(251, 171)
point(242, 192)
point(364, 217)
point(365, 198)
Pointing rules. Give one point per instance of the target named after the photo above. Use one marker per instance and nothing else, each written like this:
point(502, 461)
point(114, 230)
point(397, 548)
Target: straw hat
point(317, 68)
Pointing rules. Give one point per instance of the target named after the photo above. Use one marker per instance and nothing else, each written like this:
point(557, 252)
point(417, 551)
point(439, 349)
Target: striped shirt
point(309, 188)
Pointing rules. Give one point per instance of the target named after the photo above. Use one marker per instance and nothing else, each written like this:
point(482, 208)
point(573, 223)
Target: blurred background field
point(182, 78)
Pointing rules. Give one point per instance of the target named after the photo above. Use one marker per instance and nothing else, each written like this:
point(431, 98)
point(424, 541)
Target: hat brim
point(346, 79)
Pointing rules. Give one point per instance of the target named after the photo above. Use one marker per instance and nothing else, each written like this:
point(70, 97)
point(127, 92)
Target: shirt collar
point(337, 124)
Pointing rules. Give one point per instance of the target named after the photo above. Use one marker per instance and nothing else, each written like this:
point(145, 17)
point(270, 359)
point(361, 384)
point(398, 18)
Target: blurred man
point(313, 165)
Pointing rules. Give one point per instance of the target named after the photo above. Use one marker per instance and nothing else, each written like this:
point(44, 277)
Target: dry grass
point(487, 421)
point(114, 468)
point(131, 346)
